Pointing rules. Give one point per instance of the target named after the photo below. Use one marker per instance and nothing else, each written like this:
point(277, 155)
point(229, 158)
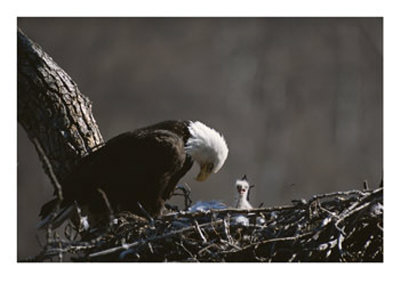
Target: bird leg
point(186, 191)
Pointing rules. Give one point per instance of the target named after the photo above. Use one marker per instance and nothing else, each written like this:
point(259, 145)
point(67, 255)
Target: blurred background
point(299, 100)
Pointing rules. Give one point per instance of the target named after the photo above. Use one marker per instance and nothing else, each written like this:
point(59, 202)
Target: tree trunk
point(55, 114)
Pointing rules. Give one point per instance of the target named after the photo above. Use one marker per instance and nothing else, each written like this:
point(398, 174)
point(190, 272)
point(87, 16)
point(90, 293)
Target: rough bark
point(55, 114)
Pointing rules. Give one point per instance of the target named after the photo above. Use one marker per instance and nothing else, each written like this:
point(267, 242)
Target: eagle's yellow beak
point(204, 173)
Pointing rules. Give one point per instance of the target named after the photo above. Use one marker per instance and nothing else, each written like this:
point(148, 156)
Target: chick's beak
point(203, 174)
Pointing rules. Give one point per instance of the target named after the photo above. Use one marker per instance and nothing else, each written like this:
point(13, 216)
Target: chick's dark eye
point(210, 166)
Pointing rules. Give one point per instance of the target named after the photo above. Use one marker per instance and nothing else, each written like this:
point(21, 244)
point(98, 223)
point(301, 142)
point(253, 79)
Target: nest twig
point(340, 226)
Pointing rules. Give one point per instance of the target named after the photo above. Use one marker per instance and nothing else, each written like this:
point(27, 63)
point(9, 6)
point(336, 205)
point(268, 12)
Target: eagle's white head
point(207, 147)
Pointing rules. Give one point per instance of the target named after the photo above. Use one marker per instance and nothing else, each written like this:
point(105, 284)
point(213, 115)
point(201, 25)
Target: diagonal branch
point(52, 110)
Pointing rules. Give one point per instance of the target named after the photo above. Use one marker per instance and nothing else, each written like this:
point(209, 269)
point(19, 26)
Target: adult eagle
point(143, 166)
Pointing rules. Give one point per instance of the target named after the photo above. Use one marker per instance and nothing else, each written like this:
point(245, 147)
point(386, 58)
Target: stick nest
point(341, 226)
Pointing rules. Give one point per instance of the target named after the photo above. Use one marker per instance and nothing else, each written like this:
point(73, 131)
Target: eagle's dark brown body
point(140, 166)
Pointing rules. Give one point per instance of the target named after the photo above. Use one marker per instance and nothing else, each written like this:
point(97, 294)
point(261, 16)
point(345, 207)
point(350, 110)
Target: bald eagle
point(138, 170)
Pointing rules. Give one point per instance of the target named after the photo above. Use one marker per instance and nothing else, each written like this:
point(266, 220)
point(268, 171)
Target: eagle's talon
point(186, 191)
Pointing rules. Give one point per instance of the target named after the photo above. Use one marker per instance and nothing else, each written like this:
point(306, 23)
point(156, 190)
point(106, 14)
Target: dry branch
point(340, 226)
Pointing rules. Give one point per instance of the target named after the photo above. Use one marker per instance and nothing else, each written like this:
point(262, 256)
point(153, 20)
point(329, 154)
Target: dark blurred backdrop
point(299, 100)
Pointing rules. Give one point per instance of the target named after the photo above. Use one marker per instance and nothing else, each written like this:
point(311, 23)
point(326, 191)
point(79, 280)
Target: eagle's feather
point(141, 166)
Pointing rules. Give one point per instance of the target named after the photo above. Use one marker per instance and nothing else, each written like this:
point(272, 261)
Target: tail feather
point(50, 215)
point(48, 208)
